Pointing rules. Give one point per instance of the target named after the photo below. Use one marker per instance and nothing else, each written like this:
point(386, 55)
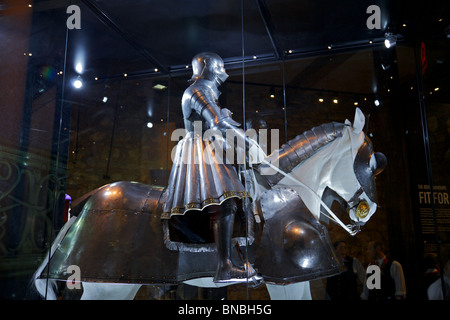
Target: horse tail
point(299, 149)
point(44, 286)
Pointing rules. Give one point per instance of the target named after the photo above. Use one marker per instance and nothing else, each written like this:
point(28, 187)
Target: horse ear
point(358, 122)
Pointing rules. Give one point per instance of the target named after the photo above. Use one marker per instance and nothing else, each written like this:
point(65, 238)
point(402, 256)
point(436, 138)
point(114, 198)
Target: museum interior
point(91, 95)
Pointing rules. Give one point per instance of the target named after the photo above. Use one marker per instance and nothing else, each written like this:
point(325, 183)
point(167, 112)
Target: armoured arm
point(204, 103)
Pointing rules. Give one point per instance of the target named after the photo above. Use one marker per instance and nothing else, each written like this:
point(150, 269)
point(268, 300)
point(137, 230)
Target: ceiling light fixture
point(272, 93)
point(390, 40)
point(159, 86)
point(77, 83)
point(79, 68)
point(385, 66)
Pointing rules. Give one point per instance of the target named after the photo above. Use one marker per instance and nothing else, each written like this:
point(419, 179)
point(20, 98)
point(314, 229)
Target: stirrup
point(256, 281)
point(233, 274)
point(249, 275)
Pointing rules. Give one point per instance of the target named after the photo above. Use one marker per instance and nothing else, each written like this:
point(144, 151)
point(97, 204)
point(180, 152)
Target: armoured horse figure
point(117, 236)
point(125, 232)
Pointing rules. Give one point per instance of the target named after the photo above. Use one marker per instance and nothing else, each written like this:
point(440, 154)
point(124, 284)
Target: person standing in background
point(434, 291)
point(344, 286)
point(392, 278)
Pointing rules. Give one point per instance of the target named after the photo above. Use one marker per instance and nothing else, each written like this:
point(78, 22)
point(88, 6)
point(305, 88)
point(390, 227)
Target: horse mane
point(302, 147)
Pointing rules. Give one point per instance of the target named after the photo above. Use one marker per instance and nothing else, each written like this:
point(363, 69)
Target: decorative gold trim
point(362, 210)
point(205, 203)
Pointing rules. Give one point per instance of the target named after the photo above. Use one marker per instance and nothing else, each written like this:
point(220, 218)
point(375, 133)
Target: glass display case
point(91, 93)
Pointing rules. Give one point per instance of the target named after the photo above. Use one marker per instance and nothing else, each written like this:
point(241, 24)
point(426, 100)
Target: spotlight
point(159, 86)
point(385, 66)
point(105, 99)
point(149, 125)
point(390, 40)
point(79, 68)
point(377, 102)
point(77, 83)
point(272, 93)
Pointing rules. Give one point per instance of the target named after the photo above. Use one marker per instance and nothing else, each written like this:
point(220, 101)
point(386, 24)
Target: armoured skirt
point(200, 176)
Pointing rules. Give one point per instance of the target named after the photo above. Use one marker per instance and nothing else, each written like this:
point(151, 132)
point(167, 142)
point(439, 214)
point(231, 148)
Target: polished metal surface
point(209, 66)
point(294, 246)
point(200, 100)
point(298, 149)
point(200, 175)
point(199, 179)
point(118, 237)
point(366, 170)
point(110, 240)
